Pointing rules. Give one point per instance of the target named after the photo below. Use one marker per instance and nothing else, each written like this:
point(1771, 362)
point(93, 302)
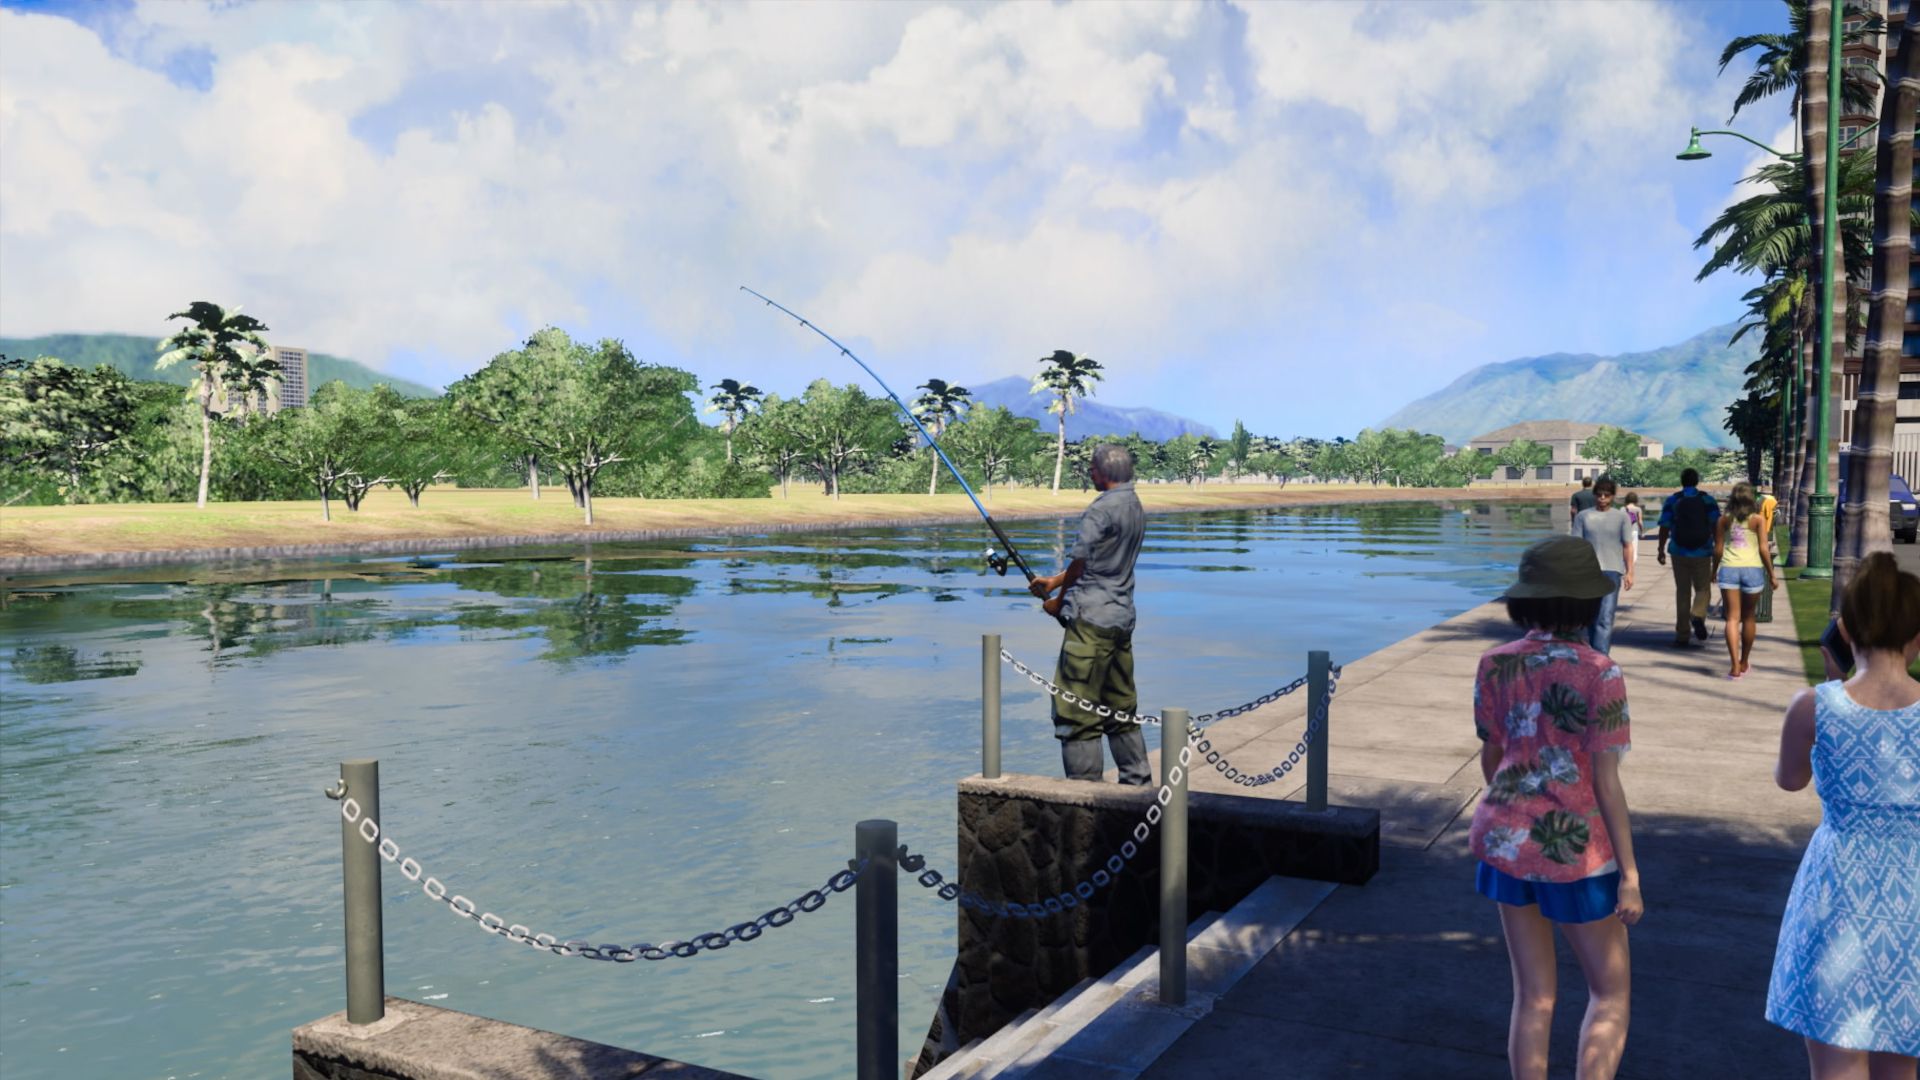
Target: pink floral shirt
point(1549, 704)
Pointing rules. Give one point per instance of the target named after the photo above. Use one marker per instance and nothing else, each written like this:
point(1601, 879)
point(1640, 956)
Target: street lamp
point(1820, 503)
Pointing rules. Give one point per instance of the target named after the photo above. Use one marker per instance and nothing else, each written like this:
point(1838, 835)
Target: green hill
point(1678, 394)
point(135, 355)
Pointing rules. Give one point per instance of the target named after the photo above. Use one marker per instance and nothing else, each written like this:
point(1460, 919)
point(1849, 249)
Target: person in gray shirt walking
point(1613, 536)
point(1095, 606)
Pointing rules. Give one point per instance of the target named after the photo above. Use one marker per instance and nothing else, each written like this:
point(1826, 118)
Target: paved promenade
point(1407, 976)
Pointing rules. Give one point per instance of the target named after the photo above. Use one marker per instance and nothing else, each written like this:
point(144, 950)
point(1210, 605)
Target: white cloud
point(1146, 183)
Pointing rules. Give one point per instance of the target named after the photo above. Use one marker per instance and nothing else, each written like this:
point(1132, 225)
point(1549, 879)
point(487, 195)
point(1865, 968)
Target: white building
point(1563, 438)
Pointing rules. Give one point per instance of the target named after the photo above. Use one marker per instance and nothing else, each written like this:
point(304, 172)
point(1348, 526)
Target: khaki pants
point(1692, 589)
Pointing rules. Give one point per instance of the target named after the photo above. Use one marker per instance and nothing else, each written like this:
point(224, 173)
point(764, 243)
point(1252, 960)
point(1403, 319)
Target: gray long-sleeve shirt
point(1109, 540)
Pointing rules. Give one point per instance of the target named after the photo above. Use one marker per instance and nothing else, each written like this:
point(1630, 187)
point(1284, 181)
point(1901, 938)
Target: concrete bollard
point(1173, 859)
point(877, 951)
point(360, 887)
point(990, 706)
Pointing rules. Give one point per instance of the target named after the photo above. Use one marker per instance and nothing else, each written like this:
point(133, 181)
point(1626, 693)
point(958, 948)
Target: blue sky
point(1299, 215)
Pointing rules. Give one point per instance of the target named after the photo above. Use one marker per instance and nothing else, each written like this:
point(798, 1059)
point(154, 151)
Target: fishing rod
point(999, 562)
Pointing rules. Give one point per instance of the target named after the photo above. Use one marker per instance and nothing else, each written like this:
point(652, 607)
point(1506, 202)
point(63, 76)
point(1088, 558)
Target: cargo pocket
point(1082, 669)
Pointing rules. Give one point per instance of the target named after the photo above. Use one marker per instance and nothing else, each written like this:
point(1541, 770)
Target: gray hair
point(1114, 462)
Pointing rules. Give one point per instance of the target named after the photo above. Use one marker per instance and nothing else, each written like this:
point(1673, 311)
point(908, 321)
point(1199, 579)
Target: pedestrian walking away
point(1611, 532)
point(1689, 517)
point(1847, 964)
point(1095, 606)
point(1581, 500)
point(1552, 832)
point(1743, 555)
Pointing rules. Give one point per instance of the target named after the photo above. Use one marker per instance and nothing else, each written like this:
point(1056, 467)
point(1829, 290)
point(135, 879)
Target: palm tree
point(231, 366)
point(1783, 57)
point(942, 403)
point(1203, 454)
point(734, 402)
point(1861, 525)
point(1068, 378)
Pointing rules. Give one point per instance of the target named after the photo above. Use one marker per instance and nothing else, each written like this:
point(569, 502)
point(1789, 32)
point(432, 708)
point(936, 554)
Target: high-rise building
point(1879, 52)
point(293, 375)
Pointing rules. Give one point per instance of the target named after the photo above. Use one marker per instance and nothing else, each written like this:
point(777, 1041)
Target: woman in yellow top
point(1743, 560)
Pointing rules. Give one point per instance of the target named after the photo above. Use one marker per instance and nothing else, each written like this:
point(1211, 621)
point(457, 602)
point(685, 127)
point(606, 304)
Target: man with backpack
point(1688, 517)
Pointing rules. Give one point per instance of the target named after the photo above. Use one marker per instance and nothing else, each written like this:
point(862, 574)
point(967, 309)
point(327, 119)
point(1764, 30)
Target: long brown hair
point(1881, 607)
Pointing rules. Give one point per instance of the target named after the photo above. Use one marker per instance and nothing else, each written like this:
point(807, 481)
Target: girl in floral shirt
point(1551, 832)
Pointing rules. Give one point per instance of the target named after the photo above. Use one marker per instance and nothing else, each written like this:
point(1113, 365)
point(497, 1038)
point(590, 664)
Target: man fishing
point(1096, 607)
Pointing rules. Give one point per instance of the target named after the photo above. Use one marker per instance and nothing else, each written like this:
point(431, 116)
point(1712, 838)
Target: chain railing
point(810, 901)
point(1148, 719)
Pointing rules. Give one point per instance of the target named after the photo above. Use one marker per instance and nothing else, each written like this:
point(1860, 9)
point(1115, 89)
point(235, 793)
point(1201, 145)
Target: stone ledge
point(423, 1042)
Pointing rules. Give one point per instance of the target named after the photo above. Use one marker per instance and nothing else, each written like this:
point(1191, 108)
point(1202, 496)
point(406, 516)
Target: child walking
point(1552, 834)
point(1744, 554)
point(1848, 961)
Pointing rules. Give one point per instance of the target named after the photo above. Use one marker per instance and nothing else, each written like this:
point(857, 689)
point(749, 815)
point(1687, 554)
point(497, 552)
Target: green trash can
point(1765, 611)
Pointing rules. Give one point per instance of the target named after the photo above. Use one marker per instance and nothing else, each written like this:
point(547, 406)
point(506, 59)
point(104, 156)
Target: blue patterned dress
point(1847, 969)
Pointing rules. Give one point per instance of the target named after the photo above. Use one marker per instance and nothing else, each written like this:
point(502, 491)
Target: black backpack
point(1692, 527)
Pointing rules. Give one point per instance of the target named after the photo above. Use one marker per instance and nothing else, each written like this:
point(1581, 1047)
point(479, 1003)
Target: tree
point(1752, 422)
point(326, 441)
point(1861, 525)
point(1330, 462)
point(1524, 454)
point(580, 409)
point(992, 440)
point(1239, 448)
point(1369, 457)
point(775, 438)
point(1204, 451)
point(421, 446)
point(841, 425)
point(231, 366)
point(1616, 449)
point(1068, 378)
point(61, 419)
point(1781, 60)
point(942, 403)
point(733, 402)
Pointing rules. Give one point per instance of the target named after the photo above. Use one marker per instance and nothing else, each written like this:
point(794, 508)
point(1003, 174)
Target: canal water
point(648, 744)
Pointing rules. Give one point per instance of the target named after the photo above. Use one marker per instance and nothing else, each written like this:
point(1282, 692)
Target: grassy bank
point(1810, 600)
point(466, 512)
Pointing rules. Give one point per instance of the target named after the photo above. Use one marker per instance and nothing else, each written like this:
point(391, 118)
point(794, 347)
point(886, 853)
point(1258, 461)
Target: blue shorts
point(1748, 579)
point(1583, 901)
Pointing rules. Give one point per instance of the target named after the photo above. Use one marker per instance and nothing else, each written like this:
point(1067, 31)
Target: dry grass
point(456, 512)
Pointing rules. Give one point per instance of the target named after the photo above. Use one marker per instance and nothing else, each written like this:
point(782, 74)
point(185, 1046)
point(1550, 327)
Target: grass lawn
point(446, 513)
point(1810, 599)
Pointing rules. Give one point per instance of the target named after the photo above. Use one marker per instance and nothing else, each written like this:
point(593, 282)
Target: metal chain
point(1084, 890)
point(809, 901)
point(1107, 711)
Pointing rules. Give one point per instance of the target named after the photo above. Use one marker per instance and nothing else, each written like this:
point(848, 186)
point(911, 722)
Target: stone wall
point(1025, 838)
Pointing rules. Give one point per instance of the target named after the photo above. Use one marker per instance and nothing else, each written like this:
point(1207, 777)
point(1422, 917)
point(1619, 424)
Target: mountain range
point(1678, 394)
point(1090, 416)
point(134, 356)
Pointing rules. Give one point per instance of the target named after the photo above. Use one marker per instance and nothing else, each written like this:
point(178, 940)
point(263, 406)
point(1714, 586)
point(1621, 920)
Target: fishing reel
point(998, 561)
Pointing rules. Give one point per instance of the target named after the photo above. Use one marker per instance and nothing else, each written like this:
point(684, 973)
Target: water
point(658, 742)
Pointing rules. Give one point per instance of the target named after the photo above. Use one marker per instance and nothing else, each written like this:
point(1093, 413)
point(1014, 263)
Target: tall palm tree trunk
point(1813, 125)
point(933, 482)
point(1860, 524)
point(1060, 447)
point(206, 436)
point(1802, 469)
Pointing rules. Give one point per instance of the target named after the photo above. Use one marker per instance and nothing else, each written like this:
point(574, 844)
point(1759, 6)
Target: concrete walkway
point(1407, 976)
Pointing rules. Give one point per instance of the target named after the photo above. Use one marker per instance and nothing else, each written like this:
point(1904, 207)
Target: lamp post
point(1820, 503)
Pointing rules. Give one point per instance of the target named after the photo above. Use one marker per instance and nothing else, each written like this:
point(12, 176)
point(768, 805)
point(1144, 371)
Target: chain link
point(1107, 711)
point(809, 901)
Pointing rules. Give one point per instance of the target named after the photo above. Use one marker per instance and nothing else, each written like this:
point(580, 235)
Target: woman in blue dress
point(1846, 974)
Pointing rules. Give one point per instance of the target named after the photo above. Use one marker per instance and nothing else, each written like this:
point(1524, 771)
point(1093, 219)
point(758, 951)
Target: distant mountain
point(135, 355)
point(1090, 416)
point(1678, 394)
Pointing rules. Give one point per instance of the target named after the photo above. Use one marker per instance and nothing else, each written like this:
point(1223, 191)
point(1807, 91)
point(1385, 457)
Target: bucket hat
point(1560, 566)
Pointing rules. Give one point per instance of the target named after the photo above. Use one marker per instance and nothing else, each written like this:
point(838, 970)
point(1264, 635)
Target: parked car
point(1903, 512)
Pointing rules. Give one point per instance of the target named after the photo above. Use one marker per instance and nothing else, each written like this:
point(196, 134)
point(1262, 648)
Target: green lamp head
point(1693, 152)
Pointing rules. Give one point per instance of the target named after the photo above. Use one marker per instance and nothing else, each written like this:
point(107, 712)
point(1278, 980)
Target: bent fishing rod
point(998, 562)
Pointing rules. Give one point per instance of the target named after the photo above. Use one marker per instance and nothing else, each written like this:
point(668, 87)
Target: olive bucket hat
point(1560, 566)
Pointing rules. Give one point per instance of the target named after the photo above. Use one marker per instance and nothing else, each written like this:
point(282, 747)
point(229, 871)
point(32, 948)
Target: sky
point(1298, 215)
